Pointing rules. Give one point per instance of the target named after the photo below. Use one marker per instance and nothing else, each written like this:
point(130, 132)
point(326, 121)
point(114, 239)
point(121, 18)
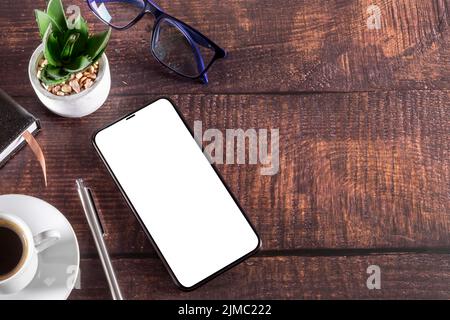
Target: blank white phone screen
point(192, 218)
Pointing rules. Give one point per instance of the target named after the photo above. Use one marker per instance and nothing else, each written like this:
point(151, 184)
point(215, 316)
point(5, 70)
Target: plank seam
point(325, 252)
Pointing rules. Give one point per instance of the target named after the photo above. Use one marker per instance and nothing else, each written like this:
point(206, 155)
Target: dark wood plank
point(287, 46)
point(406, 276)
point(362, 170)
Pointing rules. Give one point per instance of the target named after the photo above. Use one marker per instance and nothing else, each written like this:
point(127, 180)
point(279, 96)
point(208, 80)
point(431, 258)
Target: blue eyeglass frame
point(193, 36)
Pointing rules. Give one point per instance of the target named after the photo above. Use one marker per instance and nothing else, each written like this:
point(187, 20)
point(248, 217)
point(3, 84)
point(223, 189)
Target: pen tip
point(80, 183)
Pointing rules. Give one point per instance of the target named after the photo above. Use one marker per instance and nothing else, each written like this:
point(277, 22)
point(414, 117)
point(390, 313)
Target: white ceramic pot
point(75, 105)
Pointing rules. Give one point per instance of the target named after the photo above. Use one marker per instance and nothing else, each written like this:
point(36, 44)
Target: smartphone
point(189, 214)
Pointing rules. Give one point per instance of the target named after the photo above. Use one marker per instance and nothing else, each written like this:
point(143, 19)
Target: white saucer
point(58, 265)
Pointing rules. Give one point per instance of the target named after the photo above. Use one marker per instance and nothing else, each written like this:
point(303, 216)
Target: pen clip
point(91, 196)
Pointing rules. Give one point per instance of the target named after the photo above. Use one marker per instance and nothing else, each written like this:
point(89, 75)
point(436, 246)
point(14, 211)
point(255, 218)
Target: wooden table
point(364, 122)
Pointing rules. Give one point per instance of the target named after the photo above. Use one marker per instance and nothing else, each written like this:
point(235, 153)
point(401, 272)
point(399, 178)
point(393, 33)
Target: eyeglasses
point(174, 44)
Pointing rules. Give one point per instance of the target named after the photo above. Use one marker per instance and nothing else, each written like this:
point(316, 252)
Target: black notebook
point(14, 121)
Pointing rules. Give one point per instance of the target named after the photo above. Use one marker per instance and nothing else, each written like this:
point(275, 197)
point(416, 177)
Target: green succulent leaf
point(83, 29)
point(79, 47)
point(97, 44)
point(49, 81)
point(56, 73)
point(95, 59)
point(51, 48)
point(78, 64)
point(51, 75)
point(83, 32)
point(44, 21)
point(56, 11)
point(67, 50)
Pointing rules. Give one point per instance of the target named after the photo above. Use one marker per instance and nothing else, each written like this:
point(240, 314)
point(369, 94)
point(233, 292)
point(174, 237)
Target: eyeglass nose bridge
point(151, 7)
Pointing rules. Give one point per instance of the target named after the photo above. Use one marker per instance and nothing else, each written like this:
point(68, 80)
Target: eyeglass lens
point(181, 49)
point(118, 13)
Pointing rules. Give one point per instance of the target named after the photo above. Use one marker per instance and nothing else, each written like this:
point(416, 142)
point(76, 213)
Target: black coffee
point(11, 250)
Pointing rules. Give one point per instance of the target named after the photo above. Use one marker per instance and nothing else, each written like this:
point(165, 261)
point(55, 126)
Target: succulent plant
point(68, 46)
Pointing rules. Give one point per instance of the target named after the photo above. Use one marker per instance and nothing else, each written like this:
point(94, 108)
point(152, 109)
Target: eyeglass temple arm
point(137, 3)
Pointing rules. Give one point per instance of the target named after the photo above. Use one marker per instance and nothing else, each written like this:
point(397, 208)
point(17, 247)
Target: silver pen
point(94, 224)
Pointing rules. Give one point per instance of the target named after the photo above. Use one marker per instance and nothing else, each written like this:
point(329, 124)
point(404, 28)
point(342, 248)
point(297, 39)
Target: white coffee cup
point(21, 275)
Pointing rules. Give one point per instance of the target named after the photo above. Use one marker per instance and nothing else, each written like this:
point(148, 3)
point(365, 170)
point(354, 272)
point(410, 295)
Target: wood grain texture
point(284, 46)
point(362, 170)
point(406, 276)
point(364, 144)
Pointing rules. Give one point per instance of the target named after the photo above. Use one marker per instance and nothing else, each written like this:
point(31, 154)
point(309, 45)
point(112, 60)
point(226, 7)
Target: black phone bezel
point(124, 195)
